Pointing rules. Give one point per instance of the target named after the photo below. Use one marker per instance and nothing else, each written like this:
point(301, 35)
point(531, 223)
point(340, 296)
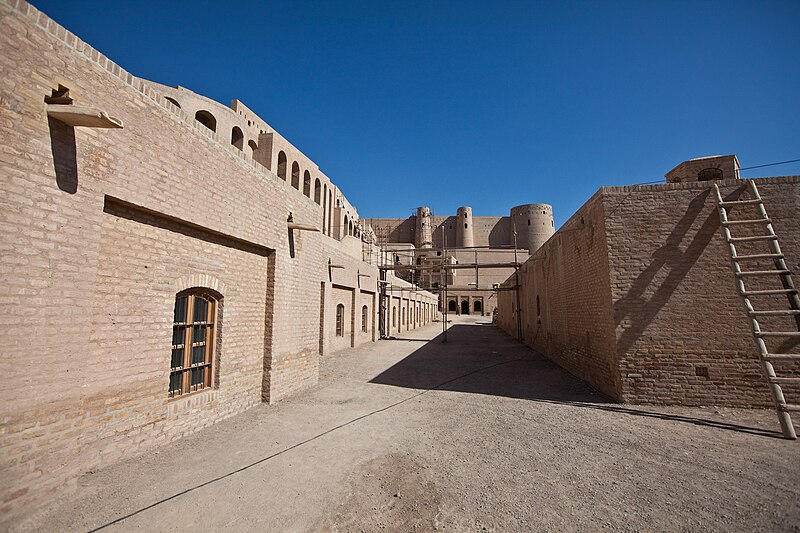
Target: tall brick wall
point(569, 276)
point(675, 303)
point(101, 229)
point(637, 295)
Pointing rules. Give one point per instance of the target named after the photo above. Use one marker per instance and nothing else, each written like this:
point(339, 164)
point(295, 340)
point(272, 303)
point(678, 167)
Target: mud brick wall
point(637, 296)
point(100, 229)
point(569, 277)
point(681, 331)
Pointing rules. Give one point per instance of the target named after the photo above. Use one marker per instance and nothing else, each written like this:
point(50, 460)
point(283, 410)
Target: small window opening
point(237, 138)
point(282, 165)
point(206, 119)
point(709, 174)
point(296, 175)
point(340, 320)
point(307, 183)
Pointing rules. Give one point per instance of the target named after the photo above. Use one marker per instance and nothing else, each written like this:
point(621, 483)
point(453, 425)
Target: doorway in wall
point(464, 307)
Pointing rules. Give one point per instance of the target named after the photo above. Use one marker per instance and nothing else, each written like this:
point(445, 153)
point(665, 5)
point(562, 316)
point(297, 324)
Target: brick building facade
point(158, 277)
point(493, 243)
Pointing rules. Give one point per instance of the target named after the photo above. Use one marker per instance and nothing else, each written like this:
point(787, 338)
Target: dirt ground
point(478, 434)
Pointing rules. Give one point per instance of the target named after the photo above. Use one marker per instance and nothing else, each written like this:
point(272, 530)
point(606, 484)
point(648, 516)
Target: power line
point(742, 168)
point(771, 164)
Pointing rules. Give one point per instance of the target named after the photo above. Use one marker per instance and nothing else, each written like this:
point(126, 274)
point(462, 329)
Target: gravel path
point(478, 434)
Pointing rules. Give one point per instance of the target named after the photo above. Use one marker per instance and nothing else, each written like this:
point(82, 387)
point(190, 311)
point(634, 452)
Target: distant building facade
point(479, 251)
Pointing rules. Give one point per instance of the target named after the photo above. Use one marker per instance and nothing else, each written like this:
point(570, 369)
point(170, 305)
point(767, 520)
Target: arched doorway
point(477, 306)
point(464, 307)
point(451, 306)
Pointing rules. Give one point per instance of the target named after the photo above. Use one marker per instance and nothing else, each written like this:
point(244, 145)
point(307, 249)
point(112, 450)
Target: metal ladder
point(780, 270)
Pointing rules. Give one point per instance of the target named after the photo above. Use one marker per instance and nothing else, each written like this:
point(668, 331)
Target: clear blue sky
point(489, 104)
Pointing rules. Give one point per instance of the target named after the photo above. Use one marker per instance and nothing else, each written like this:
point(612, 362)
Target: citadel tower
point(465, 235)
point(534, 225)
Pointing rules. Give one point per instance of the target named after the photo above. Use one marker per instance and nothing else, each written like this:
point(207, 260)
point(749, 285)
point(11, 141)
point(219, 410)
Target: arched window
point(394, 316)
point(194, 325)
point(340, 320)
point(307, 183)
point(324, 208)
point(478, 306)
point(364, 318)
point(296, 175)
point(451, 306)
point(237, 138)
point(404, 316)
point(345, 225)
point(350, 228)
point(206, 119)
point(330, 211)
point(174, 102)
point(709, 174)
point(317, 191)
point(282, 165)
point(253, 147)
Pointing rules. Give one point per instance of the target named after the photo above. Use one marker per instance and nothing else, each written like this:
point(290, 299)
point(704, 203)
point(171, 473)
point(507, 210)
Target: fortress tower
point(534, 225)
point(465, 235)
point(424, 229)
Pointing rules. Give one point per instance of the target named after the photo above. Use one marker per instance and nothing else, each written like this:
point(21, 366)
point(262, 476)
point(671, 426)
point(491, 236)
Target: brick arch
point(200, 280)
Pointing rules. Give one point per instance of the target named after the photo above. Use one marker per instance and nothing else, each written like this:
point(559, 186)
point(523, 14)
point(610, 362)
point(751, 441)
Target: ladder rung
point(763, 273)
point(782, 356)
point(739, 202)
point(757, 256)
point(778, 334)
point(784, 380)
point(739, 222)
point(755, 238)
point(788, 407)
point(769, 291)
point(775, 312)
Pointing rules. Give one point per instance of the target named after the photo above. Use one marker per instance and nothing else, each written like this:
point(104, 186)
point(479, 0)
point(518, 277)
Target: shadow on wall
point(500, 235)
point(65, 157)
point(480, 359)
point(633, 306)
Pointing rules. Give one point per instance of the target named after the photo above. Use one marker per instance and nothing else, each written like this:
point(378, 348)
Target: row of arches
point(295, 178)
point(464, 309)
point(311, 188)
point(411, 315)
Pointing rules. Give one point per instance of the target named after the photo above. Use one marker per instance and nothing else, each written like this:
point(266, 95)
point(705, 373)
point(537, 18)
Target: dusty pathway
point(505, 441)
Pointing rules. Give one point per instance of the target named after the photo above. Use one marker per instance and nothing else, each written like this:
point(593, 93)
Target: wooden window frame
point(187, 368)
point(340, 320)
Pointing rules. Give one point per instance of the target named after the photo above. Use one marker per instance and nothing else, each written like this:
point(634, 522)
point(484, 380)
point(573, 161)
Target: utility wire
point(771, 164)
point(743, 168)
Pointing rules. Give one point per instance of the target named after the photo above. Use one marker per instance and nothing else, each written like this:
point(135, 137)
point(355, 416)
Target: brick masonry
point(102, 227)
point(637, 296)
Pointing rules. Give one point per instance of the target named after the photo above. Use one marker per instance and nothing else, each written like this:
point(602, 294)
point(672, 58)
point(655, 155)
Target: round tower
point(424, 230)
point(464, 234)
point(533, 224)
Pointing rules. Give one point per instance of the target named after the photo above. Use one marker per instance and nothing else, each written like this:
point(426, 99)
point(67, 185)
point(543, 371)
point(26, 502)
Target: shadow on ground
point(479, 358)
